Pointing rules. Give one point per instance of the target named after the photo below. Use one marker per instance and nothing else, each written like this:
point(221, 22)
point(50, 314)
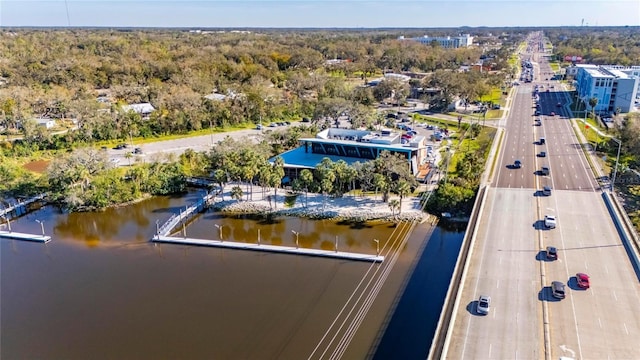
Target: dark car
point(120, 146)
point(517, 164)
point(545, 170)
point(583, 280)
point(137, 150)
point(552, 253)
point(305, 119)
point(558, 104)
point(542, 154)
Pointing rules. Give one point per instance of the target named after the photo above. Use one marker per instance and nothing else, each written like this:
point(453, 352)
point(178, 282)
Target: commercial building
point(447, 42)
point(614, 87)
point(354, 146)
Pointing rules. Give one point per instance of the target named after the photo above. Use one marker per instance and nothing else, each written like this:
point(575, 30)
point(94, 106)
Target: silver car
point(484, 303)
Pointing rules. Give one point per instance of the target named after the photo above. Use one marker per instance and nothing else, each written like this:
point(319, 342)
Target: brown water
point(100, 290)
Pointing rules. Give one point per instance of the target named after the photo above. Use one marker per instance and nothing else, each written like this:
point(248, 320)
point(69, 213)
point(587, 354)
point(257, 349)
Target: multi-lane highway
point(508, 261)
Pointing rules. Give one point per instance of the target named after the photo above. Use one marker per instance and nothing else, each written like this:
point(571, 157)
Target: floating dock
point(25, 237)
point(269, 248)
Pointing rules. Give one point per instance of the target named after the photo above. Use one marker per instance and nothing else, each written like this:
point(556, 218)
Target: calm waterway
point(100, 290)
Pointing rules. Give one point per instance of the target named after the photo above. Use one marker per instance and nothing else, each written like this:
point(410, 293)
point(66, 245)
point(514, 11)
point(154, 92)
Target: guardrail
point(442, 335)
point(626, 230)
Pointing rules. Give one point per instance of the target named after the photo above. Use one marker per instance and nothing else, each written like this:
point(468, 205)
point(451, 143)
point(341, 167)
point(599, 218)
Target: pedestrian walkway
point(269, 248)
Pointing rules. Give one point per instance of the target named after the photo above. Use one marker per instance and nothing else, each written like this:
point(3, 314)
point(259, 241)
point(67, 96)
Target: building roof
point(301, 159)
point(141, 108)
point(44, 121)
point(216, 97)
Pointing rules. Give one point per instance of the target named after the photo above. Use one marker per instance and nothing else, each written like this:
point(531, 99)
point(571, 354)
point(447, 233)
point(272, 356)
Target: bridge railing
point(20, 208)
point(184, 216)
point(444, 329)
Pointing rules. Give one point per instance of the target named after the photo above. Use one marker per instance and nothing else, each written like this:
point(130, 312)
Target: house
point(46, 123)
point(144, 109)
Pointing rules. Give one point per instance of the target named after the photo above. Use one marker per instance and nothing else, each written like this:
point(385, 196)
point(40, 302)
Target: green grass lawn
point(494, 96)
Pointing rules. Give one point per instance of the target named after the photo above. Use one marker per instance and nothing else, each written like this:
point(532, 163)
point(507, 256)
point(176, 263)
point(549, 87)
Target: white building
point(144, 109)
point(448, 42)
point(46, 123)
point(614, 88)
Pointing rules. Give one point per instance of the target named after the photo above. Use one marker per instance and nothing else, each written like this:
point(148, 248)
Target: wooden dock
point(24, 237)
point(269, 248)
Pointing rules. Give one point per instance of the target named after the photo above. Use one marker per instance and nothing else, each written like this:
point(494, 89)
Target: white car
point(550, 221)
point(484, 303)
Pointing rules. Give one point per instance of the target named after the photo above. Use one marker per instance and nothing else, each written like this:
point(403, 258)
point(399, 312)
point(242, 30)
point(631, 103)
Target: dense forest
point(597, 45)
point(59, 74)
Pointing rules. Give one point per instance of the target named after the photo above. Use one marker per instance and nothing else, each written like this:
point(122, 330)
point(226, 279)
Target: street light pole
point(220, 230)
point(615, 170)
point(296, 234)
point(41, 226)
point(377, 246)
point(158, 228)
point(8, 222)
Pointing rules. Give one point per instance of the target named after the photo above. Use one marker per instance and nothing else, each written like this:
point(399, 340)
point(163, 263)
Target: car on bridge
point(550, 221)
point(552, 253)
point(484, 303)
point(542, 154)
point(517, 164)
point(545, 171)
point(582, 280)
point(557, 290)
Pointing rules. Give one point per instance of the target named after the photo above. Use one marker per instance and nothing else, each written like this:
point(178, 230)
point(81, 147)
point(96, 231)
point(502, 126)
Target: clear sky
point(318, 13)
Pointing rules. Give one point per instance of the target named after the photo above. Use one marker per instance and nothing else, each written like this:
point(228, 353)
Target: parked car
point(550, 221)
point(583, 280)
point(552, 253)
point(557, 290)
point(484, 304)
point(542, 154)
point(553, 114)
point(558, 105)
point(137, 151)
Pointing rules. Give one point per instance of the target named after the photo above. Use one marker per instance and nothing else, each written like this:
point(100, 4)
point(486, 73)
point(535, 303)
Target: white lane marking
point(489, 350)
point(625, 328)
point(498, 284)
point(606, 269)
point(585, 266)
point(614, 295)
point(600, 322)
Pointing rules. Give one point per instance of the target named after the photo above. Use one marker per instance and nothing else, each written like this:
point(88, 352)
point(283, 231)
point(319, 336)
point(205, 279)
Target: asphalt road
point(155, 151)
point(508, 261)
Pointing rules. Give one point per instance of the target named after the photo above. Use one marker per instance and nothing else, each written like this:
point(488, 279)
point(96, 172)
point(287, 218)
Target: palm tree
point(236, 192)
point(403, 188)
point(306, 178)
point(593, 102)
point(393, 205)
point(128, 155)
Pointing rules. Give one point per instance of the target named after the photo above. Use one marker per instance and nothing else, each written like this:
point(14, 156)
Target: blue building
point(354, 146)
point(614, 87)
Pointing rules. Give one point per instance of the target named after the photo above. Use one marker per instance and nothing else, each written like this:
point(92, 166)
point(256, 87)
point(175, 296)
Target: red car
point(583, 280)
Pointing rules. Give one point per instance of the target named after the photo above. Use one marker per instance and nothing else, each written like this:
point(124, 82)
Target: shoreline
point(345, 208)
